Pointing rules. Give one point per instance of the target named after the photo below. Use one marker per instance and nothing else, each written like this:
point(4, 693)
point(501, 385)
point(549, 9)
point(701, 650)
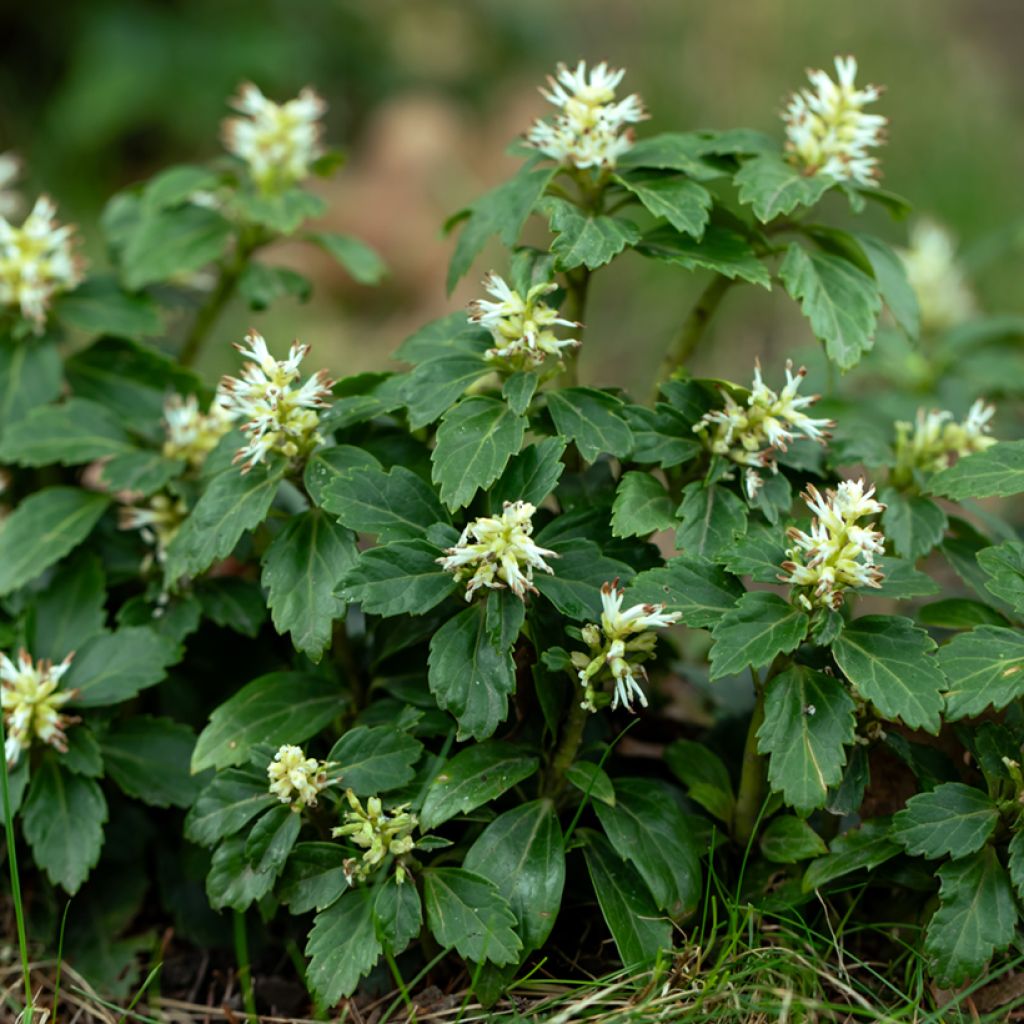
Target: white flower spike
point(158, 522)
point(296, 779)
point(37, 262)
point(750, 435)
point(31, 703)
point(499, 552)
point(279, 142)
point(620, 644)
point(943, 293)
point(827, 130)
point(935, 440)
point(838, 553)
point(521, 328)
point(191, 434)
point(588, 130)
point(275, 414)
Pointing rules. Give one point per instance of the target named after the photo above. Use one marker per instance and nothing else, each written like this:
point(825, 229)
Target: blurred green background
point(425, 94)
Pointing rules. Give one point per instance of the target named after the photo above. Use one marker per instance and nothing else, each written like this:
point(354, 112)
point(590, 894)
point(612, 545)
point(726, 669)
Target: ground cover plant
point(386, 676)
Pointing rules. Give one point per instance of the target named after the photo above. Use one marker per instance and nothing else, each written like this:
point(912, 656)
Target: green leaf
point(647, 827)
point(99, 306)
point(261, 285)
point(471, 672)
point(232, 798)
point(522, 853)
point(43, 529)
point(502, 211)
point(977, 915)
point(342, 946)
point(682, 151)
point(531, 475)
point(436, 384)
point(476, 439)
point(887, 658)
point(519, 389)
point(699, 590)
point(759, 553)
point(141, 471)
point(789, 840)
point(959, 613)
point(271, 839)
point(301, 570)
point(403, 577)
point(681, 201)
point(900, 580)
point(234, 603)
point(70, 610)
point(639, 932)
point(30, 376)
point(760, 626)
point(723, 251)
point(593, 419)
point(111, 667)
point(1015, 862)
point(808, 723)
point(984, 668)
point(661, 435)
point(149, 759)
point(396, 505)
point(951, 819)
point(281, 212)
point(327, 466)
point(314, 877)
point(176, 184)
point(63, 820)
point(73, 432)
point(83, 756)
point(712, 519)
point(580, 570)
point(891, 276)
point(232, 503)
point(705, 776)
point(996, 472)
point(586, 239)
point(374, 760)
point(282, 707)
point(913, 523)
point(863, 848)
point(398, 913)
point(468, 912)
point(591, 781)
point(475, 776)
point(642, 506)
point(772, 186)
point(841, 302)
point(1004, 564)
point(171, 243)
point(234, 882)
point(362, 262)
point(450, 334)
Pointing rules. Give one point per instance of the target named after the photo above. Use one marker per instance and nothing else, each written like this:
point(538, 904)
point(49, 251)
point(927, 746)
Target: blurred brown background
point(426, 94)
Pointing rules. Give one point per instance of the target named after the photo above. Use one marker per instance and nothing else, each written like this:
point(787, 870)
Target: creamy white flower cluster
point(31, 703)
point(10, 199)
point(750, 435)
point(838, 553)
point(936, 440)
point(827, 130)
point(521, 328)
point(620, 644)
point(498, 552)
point(588, 130)
point(943, 294)
point(191, 434)
point(37, 261)
point(275, 415)
point(296, 779)
point(158, 522)
point(279, 141)
point(378, 831)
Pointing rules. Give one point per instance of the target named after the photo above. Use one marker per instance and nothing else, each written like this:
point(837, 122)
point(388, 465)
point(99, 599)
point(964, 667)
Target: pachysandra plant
point(379, 638)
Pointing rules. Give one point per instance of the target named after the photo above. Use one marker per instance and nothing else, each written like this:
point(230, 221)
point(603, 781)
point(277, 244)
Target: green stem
point(752, 777)
point(244, 969)
point(12, 862)
point(568, 745)
point(577, 286)
point(693, 329)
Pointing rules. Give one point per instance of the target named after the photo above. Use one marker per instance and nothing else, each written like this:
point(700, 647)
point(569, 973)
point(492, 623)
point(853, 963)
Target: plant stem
point(568, 745)
point(693, 328)
point(244, 969)
point(577, 285)
point(12, 861)
point(752, 777)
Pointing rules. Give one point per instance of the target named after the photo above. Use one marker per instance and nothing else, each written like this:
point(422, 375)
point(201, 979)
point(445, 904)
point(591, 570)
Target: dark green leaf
point(959, 613)
point(788, 840)
point(468, 912)
point(111, 667)
point(772, 186)
point(586, 239)
point(233, 603)
point(149, 759)
point(342, 946)
point(170, 243)
point(70, 610)
point(997, 471)
point(398, 913)
point(591, 781)
point(700, 590)
point(713, 517)
point(1004, 564)
point(862, 848)
point(983, 668)
point(30, 376)
point(531, 475)
point(951, 819)
point(723, 251)
point(913, 523)
point(593, 419)
point(891, 276)
point(262, 285)
point(580, 570)
point(73, 432)
point(314, 877)
point(681, 201)
point(642, 506)
point(232, 798)
point(518, 390)
point(326, 466)
point(660, 435)
point(271, 839)
point(705, 776)
point(374, 760)
point(759, 627)
point(436, 384)
point(281, 212)
point(396, 505)
point(759, 553)
point(399, 578)
point(234, 882)
point(355, 256)
point(99, 306)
